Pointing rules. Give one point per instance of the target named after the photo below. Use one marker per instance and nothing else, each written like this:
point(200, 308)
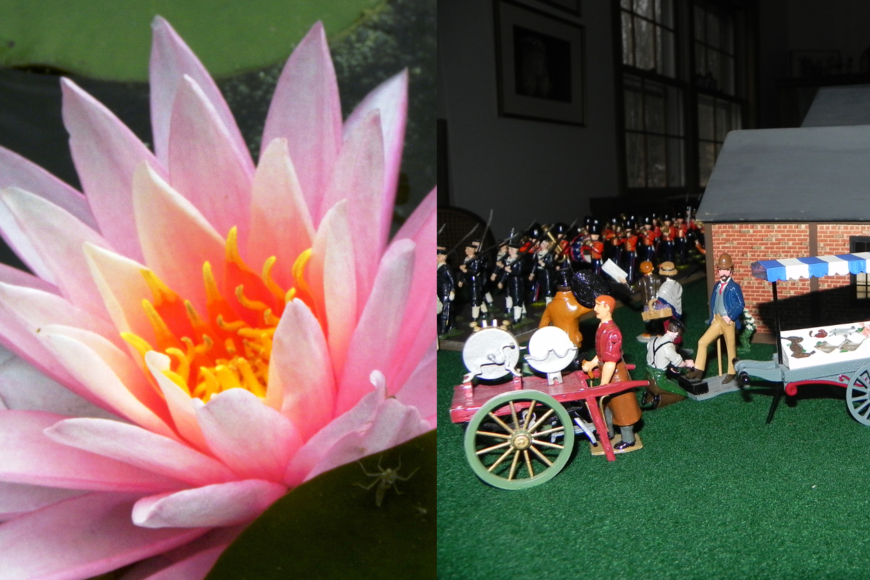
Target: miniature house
point(790, 193)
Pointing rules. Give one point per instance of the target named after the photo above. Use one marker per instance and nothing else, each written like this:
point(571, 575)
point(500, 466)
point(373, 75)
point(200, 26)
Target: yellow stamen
point(299, 271)
point(270, 283)
point(178, 380)
point(182, 363)
point(140, 344)
point(232, 326)
point(247, 302)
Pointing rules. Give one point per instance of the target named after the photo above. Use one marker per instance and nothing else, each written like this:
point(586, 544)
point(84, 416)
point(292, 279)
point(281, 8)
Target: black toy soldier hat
point(595, 228)
point(442, 250)
point(536, 232)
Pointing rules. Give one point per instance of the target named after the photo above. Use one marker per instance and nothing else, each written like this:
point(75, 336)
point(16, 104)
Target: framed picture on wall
point(540, 61)
point(572, 6)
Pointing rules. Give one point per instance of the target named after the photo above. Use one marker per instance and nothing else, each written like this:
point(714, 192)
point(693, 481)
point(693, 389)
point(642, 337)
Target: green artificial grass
point(715, 492)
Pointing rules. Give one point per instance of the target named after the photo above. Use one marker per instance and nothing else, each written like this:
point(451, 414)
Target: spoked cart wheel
point(858, 395)
point(519, 439)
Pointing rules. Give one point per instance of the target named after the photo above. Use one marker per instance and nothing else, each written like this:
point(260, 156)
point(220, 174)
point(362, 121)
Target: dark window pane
point(665, 12)
point(728, 74)
point(666, 57)
point(713, 65)
point(706, 158)
point(644, 45)
point(675, 163)
point(736, 115)
point(713, 31)
point(627, 40)
point(656, 170)
point(728, 35)
point(700, 59)
point(654, 108)
point(633, 104)
point(626, 4)
point(674, 112)
point(705, 117)
point(644, 8)
point(723, 121)
point(635, 160)
point(699, 23)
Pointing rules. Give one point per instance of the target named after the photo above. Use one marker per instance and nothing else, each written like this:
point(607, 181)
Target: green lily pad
point(331, 527)
point(111, 39)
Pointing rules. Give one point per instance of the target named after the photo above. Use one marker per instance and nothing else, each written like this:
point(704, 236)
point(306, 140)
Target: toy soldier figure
point(564, 311)
point(666, 251)
point(513, 280)
point(545, 270)
point(726, 308)
point(647, 238)
point(624, 410)
point(446, 288)
point(594, 248)
point(663, 361)
point(629, 253)
point(680, 242)
point(473, 272)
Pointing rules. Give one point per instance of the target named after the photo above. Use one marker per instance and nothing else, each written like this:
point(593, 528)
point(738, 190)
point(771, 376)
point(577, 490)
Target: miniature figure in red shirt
point(680, 233)
point(647, 238)
point(623, 407)
point(629, 254)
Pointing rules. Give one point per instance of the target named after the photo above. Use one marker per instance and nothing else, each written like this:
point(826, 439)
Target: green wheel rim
point(514, 451)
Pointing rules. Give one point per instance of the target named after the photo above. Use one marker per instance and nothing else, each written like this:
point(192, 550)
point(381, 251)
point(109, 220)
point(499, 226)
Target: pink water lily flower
point(202, 333)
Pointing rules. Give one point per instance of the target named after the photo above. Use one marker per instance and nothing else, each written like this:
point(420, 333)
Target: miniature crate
point(653, 314)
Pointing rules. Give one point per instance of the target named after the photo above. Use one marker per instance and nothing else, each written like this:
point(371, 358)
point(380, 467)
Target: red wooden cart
point(513, 427)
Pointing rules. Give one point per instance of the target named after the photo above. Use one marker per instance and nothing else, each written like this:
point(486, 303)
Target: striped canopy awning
point(815, 266)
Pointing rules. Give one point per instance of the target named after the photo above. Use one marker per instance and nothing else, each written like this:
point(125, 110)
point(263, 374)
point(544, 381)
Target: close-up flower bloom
point(202, 333)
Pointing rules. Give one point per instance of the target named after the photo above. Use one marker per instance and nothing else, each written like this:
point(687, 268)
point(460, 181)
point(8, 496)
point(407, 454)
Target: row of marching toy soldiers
point(526, 265)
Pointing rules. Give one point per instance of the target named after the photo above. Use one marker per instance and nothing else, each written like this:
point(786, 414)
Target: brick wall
point(749, 243)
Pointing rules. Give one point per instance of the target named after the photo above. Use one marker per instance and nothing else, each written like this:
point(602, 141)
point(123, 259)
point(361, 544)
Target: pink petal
point(28, 456)
point(122, 287)
point(306, 111)
point(24, 388)
point(16, 277)
point(194, 567)
point(57, 236)
point(80, 538)
point(374, 340)
point(16, 171)
point(222, 504)
point(280, 221)
point(181, 405)
point(420, 390)
point(171, 60)
point(255, 441)
point(391, 99)
point(25, 311)
point(315, 448)
point(358, 176)
point(392, 424)
point(300, 373)
point(418, 331)
point(163, 219)
point(140, 448)
point(204, 166)
point(17, 498)
point(83, 356)
point(106, 154)
point(331, 274)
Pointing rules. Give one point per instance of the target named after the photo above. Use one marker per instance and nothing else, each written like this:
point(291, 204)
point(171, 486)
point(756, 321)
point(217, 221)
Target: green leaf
point(111, 39)
point(331, 527)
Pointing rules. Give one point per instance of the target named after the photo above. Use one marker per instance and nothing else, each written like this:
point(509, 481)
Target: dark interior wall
point(523, 169)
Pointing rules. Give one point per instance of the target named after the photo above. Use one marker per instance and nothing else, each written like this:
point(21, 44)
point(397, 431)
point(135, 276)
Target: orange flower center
point(231, 346)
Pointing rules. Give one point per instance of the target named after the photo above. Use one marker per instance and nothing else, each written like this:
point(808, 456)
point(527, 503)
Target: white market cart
point(836, 355)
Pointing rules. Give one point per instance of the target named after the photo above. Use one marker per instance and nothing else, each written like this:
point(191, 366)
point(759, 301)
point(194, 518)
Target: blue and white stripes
point(815, 266)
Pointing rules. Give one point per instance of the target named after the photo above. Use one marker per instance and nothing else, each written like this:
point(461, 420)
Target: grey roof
point(798, 175)
point(838, 106)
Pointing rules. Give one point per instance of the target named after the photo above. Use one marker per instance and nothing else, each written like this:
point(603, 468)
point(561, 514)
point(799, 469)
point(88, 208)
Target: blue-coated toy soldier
point(446, 291)
point(473, 274)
